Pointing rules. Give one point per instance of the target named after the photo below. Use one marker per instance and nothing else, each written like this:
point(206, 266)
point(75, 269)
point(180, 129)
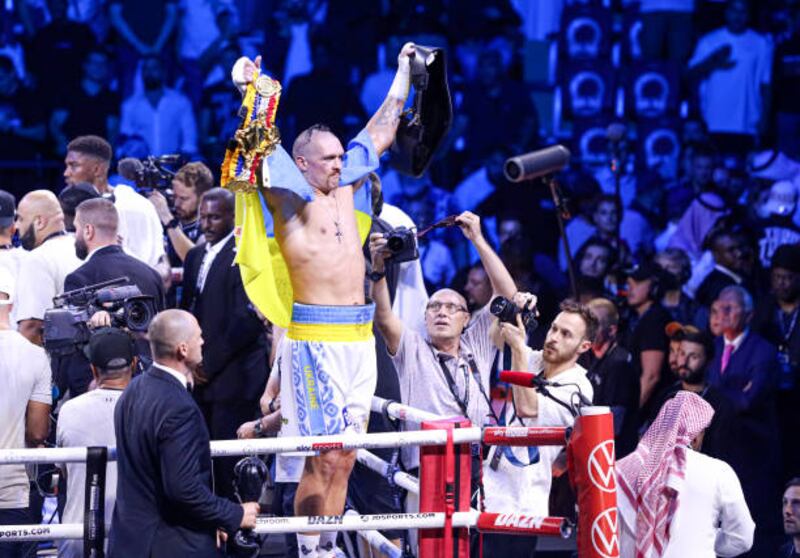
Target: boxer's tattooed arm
point(383, 124)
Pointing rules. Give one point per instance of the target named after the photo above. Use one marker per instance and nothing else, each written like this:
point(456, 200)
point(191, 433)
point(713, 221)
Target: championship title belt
point(255, 139)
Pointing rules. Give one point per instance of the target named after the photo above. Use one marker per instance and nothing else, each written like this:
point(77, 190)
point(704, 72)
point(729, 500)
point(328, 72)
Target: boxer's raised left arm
point(383, 124)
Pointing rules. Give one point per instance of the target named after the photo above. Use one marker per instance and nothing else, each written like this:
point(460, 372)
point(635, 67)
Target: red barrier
point(590, 459)
point(444, 486)
point(522, 524)
point(526, 435)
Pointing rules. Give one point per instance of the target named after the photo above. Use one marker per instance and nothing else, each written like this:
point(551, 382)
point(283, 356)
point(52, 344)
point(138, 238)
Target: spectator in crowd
point(10, 256)
point(40, 223)
point(234, 356)
point(88, 107)
point(22, 117)
point(96, 226)
point(88, 420)
point(165, 503)
point(161, 115)
point(137, 37)
point(699, 177)
point(57, 48)
point(734, 58)
point(705, 514)
point(25, 412)
point(728, 249)
point(595, 258)
point(70, 198)
point(526, 489)
point(645, 337)
point(777, 226)
point(791, 518)
point(744, 370)
point(88, 160)
point(694, 356)
point(614, 376)
point(698, 220)
point(678, 270)
point(666, 30)
point(478, 288)
point(463, 355)
point(776, 320)
point(605, 217)
point(787, 105)
point(182, 230)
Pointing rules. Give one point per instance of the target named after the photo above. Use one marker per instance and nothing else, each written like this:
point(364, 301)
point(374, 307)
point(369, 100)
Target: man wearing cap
point(776, 319)
point(645, 337)
point(10, 256)
point(88, 420)
point(777, 226)
point(25, 401)
point(40, 223)
point(88, 159)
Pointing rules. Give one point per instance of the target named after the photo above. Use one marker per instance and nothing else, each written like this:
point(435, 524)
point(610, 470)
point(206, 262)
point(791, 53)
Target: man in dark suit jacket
point(96, 225)
point(729, 266)
point(745, 371)
point(165, 504)
point(235, 353)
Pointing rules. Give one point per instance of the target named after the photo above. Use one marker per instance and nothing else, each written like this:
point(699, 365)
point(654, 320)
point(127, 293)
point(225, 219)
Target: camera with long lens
point(402, 244)
point(506, 311)
point(66, 328)
point(151, 173)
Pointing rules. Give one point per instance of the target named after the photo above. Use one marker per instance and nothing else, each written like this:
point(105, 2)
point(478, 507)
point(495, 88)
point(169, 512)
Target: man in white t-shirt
point(25, 401)
point(512, 482)
point(88, 420)
point(88, 159)
point(10, 256)
point(734, 68)
point(40, 223)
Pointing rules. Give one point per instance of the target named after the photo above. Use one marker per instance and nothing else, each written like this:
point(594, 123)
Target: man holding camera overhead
point(447, 373)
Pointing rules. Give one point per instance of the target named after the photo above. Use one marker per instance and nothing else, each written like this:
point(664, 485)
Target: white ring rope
point(401, 478)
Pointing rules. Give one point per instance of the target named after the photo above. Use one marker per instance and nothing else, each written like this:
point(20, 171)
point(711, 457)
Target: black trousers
point(222, 420)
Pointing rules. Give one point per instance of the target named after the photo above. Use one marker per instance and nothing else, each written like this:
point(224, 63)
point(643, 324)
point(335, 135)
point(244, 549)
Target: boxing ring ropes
point(444, 515)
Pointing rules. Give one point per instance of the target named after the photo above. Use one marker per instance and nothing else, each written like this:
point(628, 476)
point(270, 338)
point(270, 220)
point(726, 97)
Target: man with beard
point(695, 350)
point(96, 223)
point(791, 518)
point(40, 223)
point(88, 159)
point(159, 114)
point(512, 480)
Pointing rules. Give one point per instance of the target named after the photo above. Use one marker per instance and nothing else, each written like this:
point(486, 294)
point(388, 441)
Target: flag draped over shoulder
point(246, 171)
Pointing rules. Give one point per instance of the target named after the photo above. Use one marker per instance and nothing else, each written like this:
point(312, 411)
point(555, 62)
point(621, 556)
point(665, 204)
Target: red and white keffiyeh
point(651, 477)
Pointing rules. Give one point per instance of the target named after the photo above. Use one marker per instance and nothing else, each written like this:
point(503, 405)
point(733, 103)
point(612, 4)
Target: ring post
point(590, 460)
point(94, 526)
point(445, 487)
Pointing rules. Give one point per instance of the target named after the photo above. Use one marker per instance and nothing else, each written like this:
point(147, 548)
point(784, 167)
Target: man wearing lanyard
point(447, 373)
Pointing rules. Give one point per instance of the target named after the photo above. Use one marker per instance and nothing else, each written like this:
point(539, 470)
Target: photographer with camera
point(515, 479)
point(96, 225)
point(180, 222)
point(448, 372)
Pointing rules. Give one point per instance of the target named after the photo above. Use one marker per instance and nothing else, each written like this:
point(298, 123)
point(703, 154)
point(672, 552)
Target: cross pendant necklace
point(338, 234)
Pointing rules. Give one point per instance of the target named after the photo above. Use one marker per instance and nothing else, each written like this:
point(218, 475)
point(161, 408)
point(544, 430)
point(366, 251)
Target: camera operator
point(182, 228)
point(96, 225)
point(526, 489)
point(88, 420)
point(448, 373)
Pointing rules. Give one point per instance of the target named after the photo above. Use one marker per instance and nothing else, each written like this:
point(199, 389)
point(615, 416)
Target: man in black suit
point(165, 504)
point(235, 354)
point(728, 249)
point(96, 228)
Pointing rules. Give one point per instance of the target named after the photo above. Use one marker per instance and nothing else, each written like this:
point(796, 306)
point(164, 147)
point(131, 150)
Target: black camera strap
point(463, 404)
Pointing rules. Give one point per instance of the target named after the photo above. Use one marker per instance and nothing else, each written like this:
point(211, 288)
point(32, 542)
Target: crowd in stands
point(682, 116)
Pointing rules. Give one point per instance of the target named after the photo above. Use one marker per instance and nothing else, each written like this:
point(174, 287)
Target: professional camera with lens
point(506, 311)
point(402, 243)
point(66, 326)
point(151, 173)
